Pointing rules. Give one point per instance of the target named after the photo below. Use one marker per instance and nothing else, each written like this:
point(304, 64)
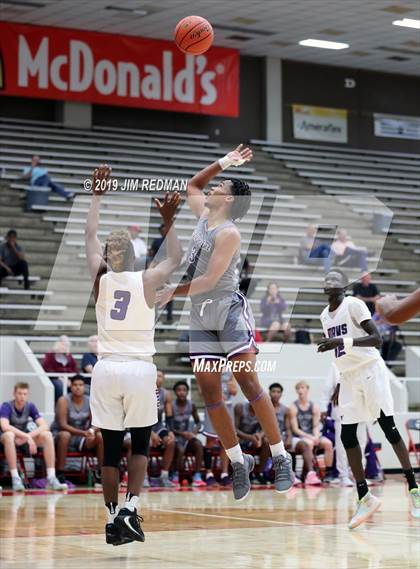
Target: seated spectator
point(312, 251)
point(139, 246)
point(89, 360)
point(251, 438)
point(184, 411)
point(272, 307)
point(12, 259)
point(346, 254)
point(163, 438)
point(157, 253)
point(229, 390)
point(61, 361)
point(39, 177)
point(72, 428)
point(22, 426)
point(305, 421)
point(367, 291)
point(390, 346)
point(285, 426)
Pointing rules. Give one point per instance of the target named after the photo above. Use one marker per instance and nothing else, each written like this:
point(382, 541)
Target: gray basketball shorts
point(222, 328)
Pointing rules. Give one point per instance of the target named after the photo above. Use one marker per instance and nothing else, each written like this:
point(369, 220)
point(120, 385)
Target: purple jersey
point(19, 417)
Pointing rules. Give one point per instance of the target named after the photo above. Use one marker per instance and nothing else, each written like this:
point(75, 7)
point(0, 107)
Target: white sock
point(50, 473)
point(235, 454)
point(131, 503)
point(14, 473)
point(224, 474)
point(278, 449)
point(111, 513)
point(209, 475)
point(164, 474)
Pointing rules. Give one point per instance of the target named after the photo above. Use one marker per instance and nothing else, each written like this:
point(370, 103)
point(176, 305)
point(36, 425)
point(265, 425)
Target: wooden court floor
point(196, 529)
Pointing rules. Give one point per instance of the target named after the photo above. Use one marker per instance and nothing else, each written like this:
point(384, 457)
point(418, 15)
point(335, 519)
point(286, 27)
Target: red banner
point(74, 65)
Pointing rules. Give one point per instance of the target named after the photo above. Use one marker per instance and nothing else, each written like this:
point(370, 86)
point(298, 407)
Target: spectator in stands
point(139, 246)
point(22, 426)
point(305, 420)
point(12, 259)
point(312, 251)
point(346, 254)
point(367, 291)
point(391, 347)
point(251, 438)
point(272, 307)
point(162, 437)
point(184, 412)
point(39, 177)
point(72, 428)
point(157, 252)
point(59, 361)
point(285, 426)
point(90, 358)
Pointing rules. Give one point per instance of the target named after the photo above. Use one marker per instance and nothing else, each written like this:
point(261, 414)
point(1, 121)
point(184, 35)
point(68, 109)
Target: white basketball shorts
point(123, 394)
point(364, 392)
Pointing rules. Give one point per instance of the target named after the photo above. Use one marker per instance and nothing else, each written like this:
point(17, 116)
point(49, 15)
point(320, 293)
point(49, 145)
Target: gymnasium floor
point(304, 529)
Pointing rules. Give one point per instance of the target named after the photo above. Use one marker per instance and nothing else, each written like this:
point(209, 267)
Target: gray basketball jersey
point(249, 423)
point(305, 418)
point(198, 256)
point(19, 421)
point(182, 416)
point(161, 407)
point(78, 417)
point(281, 419)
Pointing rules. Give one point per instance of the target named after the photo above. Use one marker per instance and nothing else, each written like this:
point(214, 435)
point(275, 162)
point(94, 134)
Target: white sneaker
point(366, 507)
point(55, 484)
point(346, 482)
point(146, 482)
point(17, 485)
point(415, 502)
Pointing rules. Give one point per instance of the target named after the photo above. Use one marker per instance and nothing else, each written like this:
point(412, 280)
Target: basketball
point(194, 35)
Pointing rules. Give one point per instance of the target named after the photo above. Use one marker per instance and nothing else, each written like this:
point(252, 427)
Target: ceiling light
point(324, 44)
point(407, 23)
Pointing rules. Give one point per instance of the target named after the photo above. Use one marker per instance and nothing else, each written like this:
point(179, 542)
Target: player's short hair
point(241, 205)
point(302, 382)
point(77, 377)
point(342, 273)
point(118, 248)
point(276, 386)
point(181, 382)
point(20, 385)
point(11, 233)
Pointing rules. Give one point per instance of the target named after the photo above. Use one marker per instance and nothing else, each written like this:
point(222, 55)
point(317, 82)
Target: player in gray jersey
point(222, 326)
point(72, 428)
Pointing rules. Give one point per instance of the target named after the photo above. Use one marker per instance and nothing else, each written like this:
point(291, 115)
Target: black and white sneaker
point(113, 535)
point(128, 522)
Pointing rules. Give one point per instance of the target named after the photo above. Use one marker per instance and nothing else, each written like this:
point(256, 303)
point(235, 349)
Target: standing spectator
point(347, 254)
point(39, 177)
point(390, 346)
point(184, 411)
point(72, 427)
point(139, 246)
point(61, 361)
point(312, 251)
point(367, 291)
point(22, 425)
point(12, 259)
point(272, 307)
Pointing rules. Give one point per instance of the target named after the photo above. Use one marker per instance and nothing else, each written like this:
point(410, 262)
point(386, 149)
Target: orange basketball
point(194, 35)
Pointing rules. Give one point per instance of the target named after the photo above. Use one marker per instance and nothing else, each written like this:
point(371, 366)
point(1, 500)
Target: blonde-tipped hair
point(302, 382)
point(117, 245)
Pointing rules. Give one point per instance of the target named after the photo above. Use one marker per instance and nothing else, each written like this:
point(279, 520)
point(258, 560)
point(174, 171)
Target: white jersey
point(345, 322)
point(125, 322)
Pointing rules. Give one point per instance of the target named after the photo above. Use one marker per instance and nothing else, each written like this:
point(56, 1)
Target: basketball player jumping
point(221, 321)
point(123, 391)
point(364, 391)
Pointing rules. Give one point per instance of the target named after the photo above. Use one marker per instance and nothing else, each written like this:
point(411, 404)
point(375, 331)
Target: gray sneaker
point(240, 476)
point(55, 484)
point(283, 473)
point(17, 485)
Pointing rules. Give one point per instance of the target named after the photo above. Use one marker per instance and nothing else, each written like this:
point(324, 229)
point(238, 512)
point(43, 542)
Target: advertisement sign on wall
point(319, 123)
point(75, 65)
point(393, 126)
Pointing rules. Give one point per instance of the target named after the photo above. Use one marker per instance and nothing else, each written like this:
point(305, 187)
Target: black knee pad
point(140, 440)
point(113, 442)
point(389, 428)
point(349, 436)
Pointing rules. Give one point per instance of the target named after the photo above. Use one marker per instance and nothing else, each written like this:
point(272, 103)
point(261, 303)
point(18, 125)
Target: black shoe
point(113, 535)
point(261, 479)
point(128, 523)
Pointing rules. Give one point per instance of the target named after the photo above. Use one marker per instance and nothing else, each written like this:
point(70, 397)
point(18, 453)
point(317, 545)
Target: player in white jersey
point(123, 390)
point(364, 392)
